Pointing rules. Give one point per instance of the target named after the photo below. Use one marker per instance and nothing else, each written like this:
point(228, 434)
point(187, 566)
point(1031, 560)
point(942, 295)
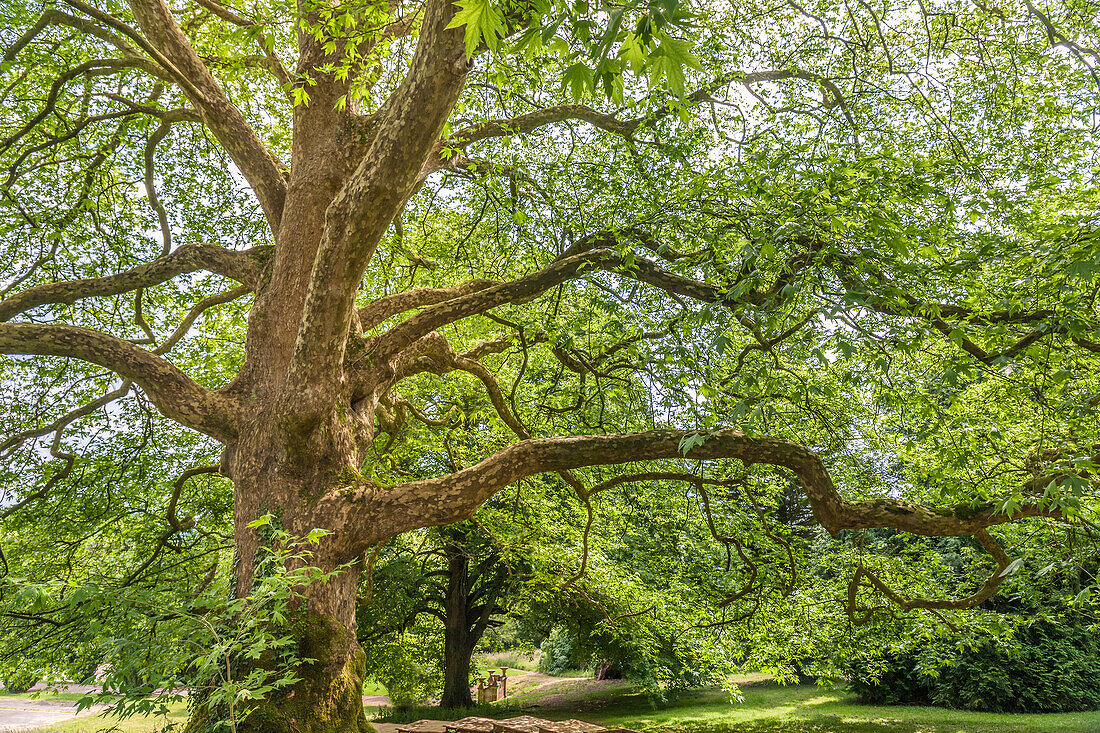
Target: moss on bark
point(327, 698)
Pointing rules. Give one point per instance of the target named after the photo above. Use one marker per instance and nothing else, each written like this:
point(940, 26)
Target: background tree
point(458, 574)
point(865, 207)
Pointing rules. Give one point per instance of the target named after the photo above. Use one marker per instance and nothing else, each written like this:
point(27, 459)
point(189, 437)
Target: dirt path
point(18, 714)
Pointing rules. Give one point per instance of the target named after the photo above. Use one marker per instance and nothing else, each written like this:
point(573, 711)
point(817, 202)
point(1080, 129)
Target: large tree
point(861, 210)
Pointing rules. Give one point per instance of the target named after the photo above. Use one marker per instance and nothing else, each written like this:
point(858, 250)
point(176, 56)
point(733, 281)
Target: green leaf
point(669, 61)
point(1011, 568)
point(578, 79)
point(632, 50)
point(483, 22)
point(691, 441)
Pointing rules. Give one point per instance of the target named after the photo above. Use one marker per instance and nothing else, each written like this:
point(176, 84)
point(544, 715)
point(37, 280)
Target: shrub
point(1048, 667)
point(20, 681)
point(894, 679)
point(1055, 668)
point(557, 652)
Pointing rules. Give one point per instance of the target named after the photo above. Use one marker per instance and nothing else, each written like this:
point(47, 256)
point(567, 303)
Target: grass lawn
point(370, 687)
point(767, 709)
point(63, 696)
point(94, 723)
point(809, 709)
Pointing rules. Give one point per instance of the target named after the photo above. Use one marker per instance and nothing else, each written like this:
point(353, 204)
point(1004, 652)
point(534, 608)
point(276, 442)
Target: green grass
point(94, 723)
point(370, 687)
point(808, 709)
point(767, 708)
point(44, 695)
point(512, 660)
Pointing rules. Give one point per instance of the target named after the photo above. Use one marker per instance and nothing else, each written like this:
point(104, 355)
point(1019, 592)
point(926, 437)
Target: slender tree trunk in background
point(458, 640)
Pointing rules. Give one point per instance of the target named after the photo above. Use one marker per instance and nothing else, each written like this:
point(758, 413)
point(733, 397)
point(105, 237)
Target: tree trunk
point(328, 696)
point(458, 641)
point(288, 483)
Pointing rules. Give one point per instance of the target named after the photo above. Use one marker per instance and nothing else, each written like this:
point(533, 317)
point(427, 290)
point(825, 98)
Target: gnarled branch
point(264, 172)
point(451, 498)
point(240, 266)
point(173, 392)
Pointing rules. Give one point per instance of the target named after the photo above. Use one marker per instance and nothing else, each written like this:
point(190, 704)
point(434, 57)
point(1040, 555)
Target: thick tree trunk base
point(327, 699)
point(457, 696)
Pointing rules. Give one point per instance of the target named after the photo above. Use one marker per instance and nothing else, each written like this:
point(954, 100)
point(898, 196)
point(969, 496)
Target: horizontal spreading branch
point(244, 267)
point(457, 496)
point(377, 311)
point(404, 334)
point(534, 120)
point(173, 392)
point(17, 440)
point(528, 122)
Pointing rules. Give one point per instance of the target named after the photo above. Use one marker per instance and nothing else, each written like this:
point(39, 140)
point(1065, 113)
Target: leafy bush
point(407, 665)
point(225, 651)
point(557, 652)
point(894, 679)
point(1048, 667)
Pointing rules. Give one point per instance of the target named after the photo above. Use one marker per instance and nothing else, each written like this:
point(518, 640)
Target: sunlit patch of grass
point(527, 661)
point(40, 695)
point(177, 716)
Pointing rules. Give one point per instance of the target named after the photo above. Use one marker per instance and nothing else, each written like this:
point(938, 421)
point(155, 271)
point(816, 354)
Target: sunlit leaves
point(668, 62)
point(482, 21)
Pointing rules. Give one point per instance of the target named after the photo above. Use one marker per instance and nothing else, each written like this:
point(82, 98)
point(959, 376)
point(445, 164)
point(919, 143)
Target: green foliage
point(228, 652)
point(557, 652)
point(862, 235)
point(20, 680)
point(483, 23)
point(1049, 666)
point(408, 664)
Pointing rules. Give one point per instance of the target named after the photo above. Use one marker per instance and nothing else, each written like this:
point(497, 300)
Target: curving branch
point(374, 313)
point(243, 266)
point(175, 524)
point(947, 318)
point(595, 256)
point(627, 129)
point(16, 440)
point(197, 310)
point(151, 185)
point(57, 427)
point(169, 46)
point(94, 67)
point(992, 583)
point(454, 497)
point(53, 16)
point(175, 394)
point(56, 451)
